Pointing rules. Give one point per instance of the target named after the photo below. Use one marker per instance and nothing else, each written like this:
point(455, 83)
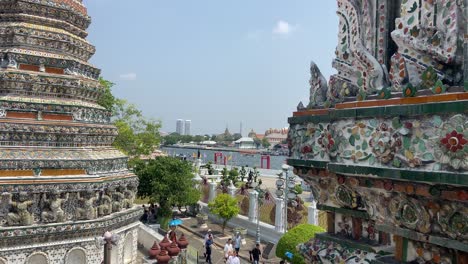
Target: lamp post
point(260, 196)
point(286, 190)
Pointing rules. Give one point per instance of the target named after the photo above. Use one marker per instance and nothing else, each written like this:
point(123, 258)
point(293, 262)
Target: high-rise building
point(187, 127)
point(180, 127)
point(63, 184)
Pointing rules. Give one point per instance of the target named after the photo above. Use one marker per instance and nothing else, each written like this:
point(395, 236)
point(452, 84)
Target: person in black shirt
point(256, 253)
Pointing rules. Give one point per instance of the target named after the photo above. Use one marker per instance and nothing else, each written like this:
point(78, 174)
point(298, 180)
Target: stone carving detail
point(318, 87)
point(357, 67)
point(427, 34)
point(19, 214)
point(453, 220)
point(410, 213)
point(55, 213)
point(118, 199)
point(3, 113)
point(21, 34)
point(105, 206)
point(130, 193)
point(433, 143)
point(53, 86)
point(87, 210)
point(59, 203)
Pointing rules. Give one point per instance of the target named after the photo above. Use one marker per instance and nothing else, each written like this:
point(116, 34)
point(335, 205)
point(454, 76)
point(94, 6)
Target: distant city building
point(245, 143)
point(187, 127)
point(276, 136)
point(180, 127)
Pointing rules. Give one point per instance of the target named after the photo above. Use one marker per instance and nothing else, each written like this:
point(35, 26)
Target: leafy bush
point(298, 235)
point(298, 189)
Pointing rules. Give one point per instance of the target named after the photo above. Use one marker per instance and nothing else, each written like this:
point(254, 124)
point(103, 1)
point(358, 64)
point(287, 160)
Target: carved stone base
point(78, 246)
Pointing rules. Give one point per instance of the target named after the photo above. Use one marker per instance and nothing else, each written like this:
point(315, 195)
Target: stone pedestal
point(313, 213)
point(253, 206)
point(232, 190)
point(212, 194)
point(279, 215)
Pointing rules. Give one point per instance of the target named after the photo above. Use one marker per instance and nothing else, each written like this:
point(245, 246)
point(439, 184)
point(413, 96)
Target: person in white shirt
point(228, 249)
point(237, 242)
point(233, 259)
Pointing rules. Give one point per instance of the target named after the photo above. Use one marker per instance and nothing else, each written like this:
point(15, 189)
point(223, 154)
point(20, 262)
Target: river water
point(237, 159)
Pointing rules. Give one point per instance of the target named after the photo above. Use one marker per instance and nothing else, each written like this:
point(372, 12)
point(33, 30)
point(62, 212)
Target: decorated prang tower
point(384, 144)
point(62, 184)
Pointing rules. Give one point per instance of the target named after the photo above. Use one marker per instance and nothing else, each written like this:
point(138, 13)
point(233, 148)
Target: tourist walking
point(207, 236)
point(256, 254)
point(208, 244)
point(237, 242)
point(228, 249)
point(233, 258)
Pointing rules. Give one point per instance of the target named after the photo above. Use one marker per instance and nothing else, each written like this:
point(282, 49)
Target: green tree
point(137, 135)
point(236, 136)
point(107, 99)
point(225, 207)
point(198, 138)
point(171, 139)
point(265, 143)
point(257, 142)
point(295, 236)
point(234, 175)
point(167, 181)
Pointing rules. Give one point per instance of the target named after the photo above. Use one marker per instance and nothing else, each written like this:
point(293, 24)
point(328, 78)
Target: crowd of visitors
point(150, 214)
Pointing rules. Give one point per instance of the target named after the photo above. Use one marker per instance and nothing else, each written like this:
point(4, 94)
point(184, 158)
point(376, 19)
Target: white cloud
point(283, 28)
point(131, 76)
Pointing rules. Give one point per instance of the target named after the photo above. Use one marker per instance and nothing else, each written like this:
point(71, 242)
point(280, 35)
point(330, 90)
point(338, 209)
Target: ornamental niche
point(384, 144)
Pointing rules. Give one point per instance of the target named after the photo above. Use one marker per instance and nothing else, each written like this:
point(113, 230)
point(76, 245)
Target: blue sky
point(214, 62)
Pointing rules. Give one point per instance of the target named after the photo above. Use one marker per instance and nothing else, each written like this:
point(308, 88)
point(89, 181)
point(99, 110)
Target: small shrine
point(384, 142)
point(62, 184)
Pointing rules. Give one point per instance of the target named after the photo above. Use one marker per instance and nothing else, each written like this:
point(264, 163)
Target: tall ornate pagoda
point(62, 184)
point(384, 143)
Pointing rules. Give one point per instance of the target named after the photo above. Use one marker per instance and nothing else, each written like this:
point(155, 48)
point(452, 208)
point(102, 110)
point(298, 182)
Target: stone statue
point(318, 87)
point(55, 214)
point(129, 196)
point(87, 210)
point(118, 199)
point(105, 206)
point(19, 214)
